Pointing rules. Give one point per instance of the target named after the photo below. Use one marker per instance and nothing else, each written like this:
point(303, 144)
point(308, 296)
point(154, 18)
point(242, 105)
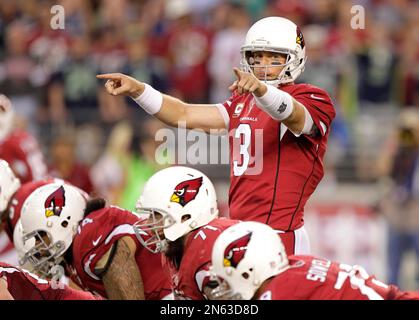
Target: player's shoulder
point(5, 265)
point(310, 90)
point(19, 139)
point(222, 223)
point(19, 135)
point(103, 222)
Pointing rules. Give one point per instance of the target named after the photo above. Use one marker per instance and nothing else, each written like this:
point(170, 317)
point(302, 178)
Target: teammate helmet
point(185, 199)
point(245, 255)
point(280, 35)
point(6, 116)
point(9, 184)
point(50, 218)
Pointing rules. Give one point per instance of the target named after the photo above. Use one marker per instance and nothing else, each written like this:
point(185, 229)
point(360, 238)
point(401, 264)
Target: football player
point(250, 262)
point(18, 147)
point(183, 216)
point(278, 129)
point(95, 243)
point(19, 284)
point(13, 195)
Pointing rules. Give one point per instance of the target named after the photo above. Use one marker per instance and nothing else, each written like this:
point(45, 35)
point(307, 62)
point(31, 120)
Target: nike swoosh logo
point(97, 241)
point(315, 97)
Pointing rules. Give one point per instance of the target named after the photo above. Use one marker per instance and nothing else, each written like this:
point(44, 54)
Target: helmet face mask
point(45, 254)
point(220, 289)
point(154, 228)
point(270, 73)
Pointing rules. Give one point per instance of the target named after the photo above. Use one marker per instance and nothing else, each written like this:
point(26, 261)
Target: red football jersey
point(24, 156)
point(24, 285)
point(96, 235)
point(16, 203)
point(193, 273)
point(272, 171)
point(312, 278)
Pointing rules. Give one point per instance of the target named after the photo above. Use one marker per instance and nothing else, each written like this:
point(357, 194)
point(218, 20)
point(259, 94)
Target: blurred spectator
point(188, 52)
point(18, 147)
point(408, 81)
point(78, 17)
point(47, 46)
point(109, 171)
point(401, 202)
point(73, 91)
point(226, 53)
point(64, 165)
point(142, 65)
point(141, 163)
point(20, 76)
point(376, 66)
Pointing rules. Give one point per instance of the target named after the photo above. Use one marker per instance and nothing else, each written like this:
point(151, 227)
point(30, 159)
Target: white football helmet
point(6, 116)
point(244, 256)
point(280, 35)
point(9, 184)
point(50, 217)
point(185, 199)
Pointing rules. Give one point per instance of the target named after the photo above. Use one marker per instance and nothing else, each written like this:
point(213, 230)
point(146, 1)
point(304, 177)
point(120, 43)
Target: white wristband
point(277, 103)
point(150, 100)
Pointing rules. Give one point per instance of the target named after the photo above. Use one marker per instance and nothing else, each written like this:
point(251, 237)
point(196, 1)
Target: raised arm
point(122, 279)
point(167, 109)
point(278, 104)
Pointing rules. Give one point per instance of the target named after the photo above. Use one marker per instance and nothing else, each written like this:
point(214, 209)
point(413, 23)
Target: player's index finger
point(112, 76)
point(237, 72)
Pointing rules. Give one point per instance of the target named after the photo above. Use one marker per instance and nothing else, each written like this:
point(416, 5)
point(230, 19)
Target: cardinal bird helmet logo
point(236, 250)
point(186, 191)
point(55, 202)
point(300, 38)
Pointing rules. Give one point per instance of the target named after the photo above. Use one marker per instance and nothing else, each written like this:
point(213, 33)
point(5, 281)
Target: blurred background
point(366, 210)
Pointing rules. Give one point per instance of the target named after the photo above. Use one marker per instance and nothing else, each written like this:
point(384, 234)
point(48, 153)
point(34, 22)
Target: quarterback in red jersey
point(182, 205)
point(19, 284)
point(95, 243)
point(250, 262)
point(19, 148)
point(278, 129)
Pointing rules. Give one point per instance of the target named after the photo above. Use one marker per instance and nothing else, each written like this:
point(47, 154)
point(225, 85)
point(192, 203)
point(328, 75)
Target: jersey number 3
point(243, 130)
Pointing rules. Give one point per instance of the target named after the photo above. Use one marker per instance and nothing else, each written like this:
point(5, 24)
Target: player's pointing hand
point(121, 84)
point(247, 82)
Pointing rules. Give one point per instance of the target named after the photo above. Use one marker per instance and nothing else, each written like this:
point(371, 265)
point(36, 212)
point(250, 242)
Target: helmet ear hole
point(186, 217)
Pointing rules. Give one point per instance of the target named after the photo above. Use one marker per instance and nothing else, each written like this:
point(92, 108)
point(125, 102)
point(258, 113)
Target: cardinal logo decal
point(186, 191)
point(236, 250)
point(300, 38)
point(55, 203)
